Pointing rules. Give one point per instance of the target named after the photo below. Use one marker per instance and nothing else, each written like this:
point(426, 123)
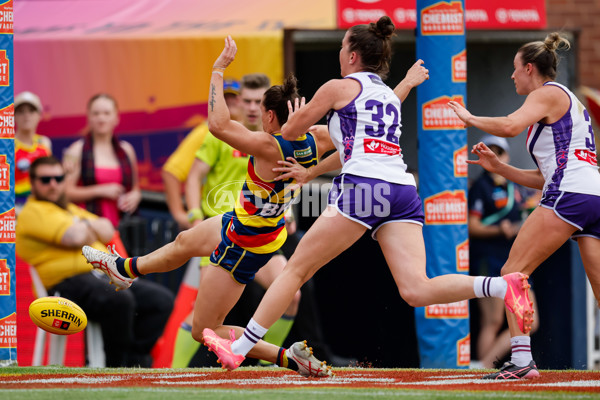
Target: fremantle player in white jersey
point(374, 191)
point(561, 142)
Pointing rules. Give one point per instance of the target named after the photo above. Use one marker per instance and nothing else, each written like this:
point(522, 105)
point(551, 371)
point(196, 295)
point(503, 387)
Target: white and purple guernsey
point(366, 132)
point(565, 152)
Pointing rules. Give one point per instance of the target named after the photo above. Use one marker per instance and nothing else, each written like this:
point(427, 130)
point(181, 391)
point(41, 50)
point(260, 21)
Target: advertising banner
point(480, 14)
point(443, 329)
point(8, 315)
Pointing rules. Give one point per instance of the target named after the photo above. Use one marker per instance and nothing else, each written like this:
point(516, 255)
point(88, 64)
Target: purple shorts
point(578, 209)
point(374, 202)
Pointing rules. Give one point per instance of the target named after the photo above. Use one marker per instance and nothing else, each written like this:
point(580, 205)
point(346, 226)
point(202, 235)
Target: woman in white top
point(561, 142)
point(374, 191)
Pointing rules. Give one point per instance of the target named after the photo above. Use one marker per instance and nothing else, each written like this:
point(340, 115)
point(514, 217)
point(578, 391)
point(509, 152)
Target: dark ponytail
point(374, 44)
point(276, 98)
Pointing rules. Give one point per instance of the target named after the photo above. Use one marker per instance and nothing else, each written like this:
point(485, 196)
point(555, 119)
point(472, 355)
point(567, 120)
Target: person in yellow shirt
point(49, 234)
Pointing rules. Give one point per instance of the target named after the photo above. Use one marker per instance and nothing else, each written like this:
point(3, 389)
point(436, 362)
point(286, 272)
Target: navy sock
point(284, 361)
point(128, 267)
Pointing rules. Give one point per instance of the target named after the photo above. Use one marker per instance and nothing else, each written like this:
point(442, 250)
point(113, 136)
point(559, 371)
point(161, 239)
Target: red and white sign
point(437, 115)
point(458, 310)
point(4, 278)
point(463, 351)
point(7, 122)
point(446, 208)
point(443, 18)
point(459, 67)
point(4, 69)
point(461, 167)
point(462, 257)
point(8, 332)
point(4, 173)
point(6, 17)
point(479, 14)
point(7, 226)
point(381, 147)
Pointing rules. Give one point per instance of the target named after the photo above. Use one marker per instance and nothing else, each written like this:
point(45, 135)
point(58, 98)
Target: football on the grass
point(57, 315)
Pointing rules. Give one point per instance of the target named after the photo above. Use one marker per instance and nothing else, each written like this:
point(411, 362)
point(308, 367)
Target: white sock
point(520, 351)
point(253, 333)
point(485, 286)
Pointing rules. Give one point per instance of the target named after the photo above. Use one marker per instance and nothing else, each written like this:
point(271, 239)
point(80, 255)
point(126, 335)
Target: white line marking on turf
point(572, 383)
point(452, 382)
point(451, 376)
point(281, 380)
point(70, 380)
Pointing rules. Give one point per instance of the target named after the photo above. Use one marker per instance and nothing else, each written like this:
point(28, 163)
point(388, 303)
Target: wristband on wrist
point(195, 214)
point(218, 70)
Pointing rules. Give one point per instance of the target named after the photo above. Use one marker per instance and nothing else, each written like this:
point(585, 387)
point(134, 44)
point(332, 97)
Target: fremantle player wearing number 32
point(364, 124)
point(245, 239)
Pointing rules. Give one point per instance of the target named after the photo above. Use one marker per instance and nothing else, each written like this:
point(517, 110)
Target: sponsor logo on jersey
point(460, 162)
point(459, 67)
point(302, 153)
point(462, 257)
point(381, 147)
point(6, 17)
point(437, 114)
point(4, 278)
point(447, 207)
point(8, 332)
point(463, 351)
point(587, 156)
point(7, 122)
point(238, 154)
point(458, 310)
point(376, 79)
point(443, 18)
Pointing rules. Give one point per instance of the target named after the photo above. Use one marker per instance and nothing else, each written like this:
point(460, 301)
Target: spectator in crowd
point(177, 167)
point(497, 208)
point(50, 232)
point(28, 144)
point(101, 170)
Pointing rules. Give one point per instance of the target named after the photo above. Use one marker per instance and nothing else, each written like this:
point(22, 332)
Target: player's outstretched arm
point(415, 75)
point(488, 160)
point(221, 125)
point(291, 169)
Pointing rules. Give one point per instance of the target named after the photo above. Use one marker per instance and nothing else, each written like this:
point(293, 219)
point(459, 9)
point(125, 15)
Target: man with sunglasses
point(49, 234)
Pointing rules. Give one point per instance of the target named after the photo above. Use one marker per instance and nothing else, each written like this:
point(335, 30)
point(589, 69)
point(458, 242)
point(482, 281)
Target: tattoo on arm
point(212, 97)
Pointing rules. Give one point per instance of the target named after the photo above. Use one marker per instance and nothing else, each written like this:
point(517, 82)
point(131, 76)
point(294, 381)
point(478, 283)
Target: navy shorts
point(239, 262)
point(374, 202)
point(578, 209)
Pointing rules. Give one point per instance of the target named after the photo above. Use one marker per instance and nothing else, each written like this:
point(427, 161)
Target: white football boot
point(105, 262)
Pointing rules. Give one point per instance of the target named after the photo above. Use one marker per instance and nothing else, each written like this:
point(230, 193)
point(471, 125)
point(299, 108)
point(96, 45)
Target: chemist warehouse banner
point(8, 316)
point(443, 329)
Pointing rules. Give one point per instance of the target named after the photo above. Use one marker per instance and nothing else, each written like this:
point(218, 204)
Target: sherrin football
point(57, 315)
